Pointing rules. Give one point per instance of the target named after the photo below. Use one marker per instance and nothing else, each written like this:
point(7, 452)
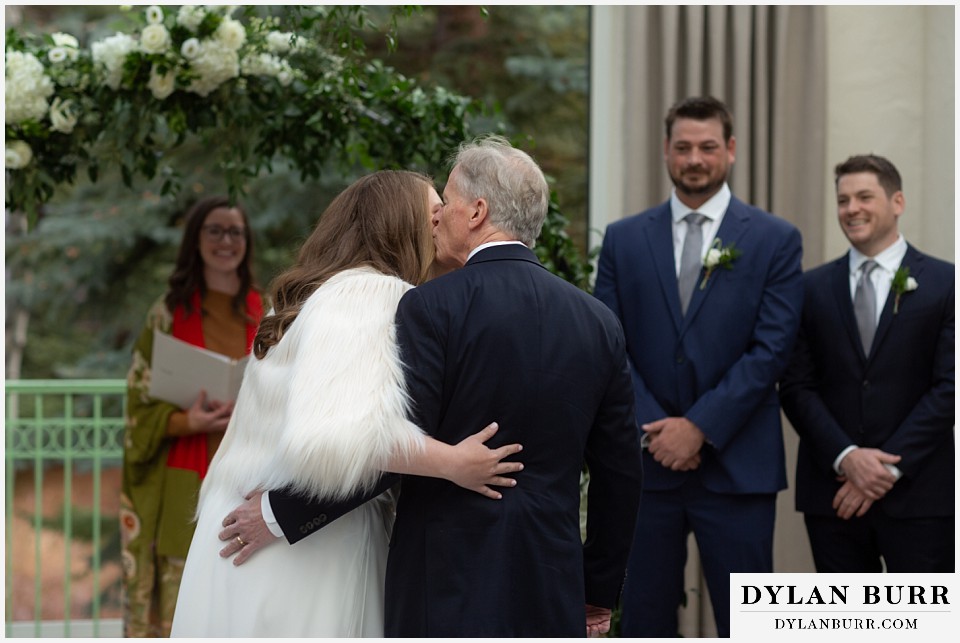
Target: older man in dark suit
point(708, 290)
point(502, 338)
point(870, 391)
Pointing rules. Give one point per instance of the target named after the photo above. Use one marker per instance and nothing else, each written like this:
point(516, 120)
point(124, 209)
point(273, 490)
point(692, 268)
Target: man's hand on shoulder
point(245, 530)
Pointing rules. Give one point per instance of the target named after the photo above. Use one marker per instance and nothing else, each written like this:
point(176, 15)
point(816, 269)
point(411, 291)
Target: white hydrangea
point(110, 53)
point(161, 85)
point(190, 16)
point(285, 75)
point(278, 42)
point(26, 88)
point(262, 64)
point(215, 64)
point(155, 39)
point(265, 64)
point(231, 33)
point(17, 154)
point(62, 116)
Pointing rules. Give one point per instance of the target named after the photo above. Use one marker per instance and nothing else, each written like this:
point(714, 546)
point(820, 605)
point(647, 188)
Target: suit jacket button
point(323, 518)
point(680, 359)
point(866, 384)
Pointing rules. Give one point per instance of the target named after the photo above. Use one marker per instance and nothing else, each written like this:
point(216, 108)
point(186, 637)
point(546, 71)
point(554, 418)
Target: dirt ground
point(54, 551)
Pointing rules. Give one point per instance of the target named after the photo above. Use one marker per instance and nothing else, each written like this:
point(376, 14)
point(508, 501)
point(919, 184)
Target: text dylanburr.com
point(848, 607)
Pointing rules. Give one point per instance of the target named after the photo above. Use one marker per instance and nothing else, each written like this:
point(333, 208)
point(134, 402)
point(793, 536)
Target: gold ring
point(240, 540)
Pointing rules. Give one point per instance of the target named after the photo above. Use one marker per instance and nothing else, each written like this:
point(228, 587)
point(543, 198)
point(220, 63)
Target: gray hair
point(509, 180)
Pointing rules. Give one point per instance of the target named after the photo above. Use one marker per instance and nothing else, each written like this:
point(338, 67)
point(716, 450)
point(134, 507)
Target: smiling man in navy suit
point(870, 390)
point(708, 290)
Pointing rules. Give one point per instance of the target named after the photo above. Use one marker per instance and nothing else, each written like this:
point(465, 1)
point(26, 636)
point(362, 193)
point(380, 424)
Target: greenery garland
point(256, 87)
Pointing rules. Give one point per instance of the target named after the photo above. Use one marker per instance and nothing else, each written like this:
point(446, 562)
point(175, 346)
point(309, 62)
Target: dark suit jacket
point(899, 400)
point(718, 365)
point(502, 339)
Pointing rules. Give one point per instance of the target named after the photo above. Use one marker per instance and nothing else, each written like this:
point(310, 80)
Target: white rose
point(155, 39)
point(154, 15)
point(231, 33)
point(61, 39)
point(911, 284)
point(57, 55)
point(285, 77)
point(712, 259)
point(62, 118)
point(161, 85)
point(17, 154)
point(190, 48)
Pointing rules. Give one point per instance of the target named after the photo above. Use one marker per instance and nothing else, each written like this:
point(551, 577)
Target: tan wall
point(890, 90)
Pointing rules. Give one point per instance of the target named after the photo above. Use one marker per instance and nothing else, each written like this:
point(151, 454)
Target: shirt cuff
point(897, 473)
point(843, 454)
point(268, 516)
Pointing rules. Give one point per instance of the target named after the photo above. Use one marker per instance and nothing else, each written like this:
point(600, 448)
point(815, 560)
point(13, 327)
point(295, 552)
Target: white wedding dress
point(323, 411)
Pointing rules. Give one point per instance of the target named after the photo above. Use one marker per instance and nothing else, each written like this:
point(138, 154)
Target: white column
point(890, 91)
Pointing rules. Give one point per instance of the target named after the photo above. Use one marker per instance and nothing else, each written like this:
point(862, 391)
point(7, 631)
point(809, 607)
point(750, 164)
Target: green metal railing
point(72, 428)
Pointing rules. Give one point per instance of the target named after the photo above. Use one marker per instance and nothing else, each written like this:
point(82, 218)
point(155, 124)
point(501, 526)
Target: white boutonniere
point(902, 283)
point(718, 256)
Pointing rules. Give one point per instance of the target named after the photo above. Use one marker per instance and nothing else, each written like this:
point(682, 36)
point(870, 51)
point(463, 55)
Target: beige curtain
point(767, 63)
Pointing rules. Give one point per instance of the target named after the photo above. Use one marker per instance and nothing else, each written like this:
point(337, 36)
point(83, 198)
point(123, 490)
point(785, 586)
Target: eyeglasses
point(215, 232)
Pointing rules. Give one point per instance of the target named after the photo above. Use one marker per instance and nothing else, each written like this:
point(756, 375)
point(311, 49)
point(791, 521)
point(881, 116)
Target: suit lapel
point(731, 230)
point(840, 284)
point(658, 232)
point(913, 260)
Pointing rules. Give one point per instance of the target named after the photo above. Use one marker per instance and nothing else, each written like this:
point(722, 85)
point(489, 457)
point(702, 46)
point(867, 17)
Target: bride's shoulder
point(364, 283)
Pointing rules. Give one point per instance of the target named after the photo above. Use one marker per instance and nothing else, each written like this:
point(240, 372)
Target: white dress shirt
point(714, 209)
point(490, 244)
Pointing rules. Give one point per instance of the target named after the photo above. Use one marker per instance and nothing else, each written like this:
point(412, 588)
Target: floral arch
point(257, 83)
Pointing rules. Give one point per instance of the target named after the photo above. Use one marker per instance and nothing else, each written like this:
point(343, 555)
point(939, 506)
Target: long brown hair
point(380, 221)
point(187, 277)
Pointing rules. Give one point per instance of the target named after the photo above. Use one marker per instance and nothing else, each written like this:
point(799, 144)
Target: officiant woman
point(211, 301)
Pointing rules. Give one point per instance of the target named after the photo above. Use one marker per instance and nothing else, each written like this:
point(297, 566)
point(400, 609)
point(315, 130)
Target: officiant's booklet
point(181, 369)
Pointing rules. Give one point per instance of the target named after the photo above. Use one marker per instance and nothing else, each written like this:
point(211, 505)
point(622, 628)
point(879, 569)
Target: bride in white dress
point(323, 409)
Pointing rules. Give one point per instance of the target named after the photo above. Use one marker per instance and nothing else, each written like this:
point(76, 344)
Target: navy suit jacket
point(900, 399)
point(718, 365)
point(504, 340)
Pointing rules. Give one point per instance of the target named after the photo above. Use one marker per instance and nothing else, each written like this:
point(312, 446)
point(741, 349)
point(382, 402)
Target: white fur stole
point(326, 408)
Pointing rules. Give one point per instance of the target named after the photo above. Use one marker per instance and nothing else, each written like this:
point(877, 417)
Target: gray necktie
point(865, 305)
point(691, 258)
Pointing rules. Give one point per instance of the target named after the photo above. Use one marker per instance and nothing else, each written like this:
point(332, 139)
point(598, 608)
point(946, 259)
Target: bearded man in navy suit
point(873, 400)
point(707, 344)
